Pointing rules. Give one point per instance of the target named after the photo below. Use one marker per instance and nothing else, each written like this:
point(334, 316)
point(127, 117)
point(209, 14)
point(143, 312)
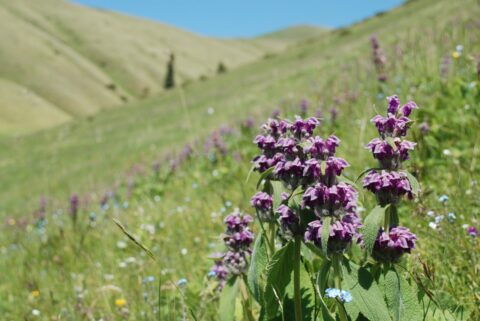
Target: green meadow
point(126, 157)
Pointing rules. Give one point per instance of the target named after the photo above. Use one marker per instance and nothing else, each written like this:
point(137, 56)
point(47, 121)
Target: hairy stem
point(296, 279)
point(272, 237)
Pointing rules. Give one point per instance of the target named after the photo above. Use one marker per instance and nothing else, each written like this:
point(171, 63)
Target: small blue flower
point(443, 198)
point(182, 282)
point(211, 274)
point(341, 295)
point(439, 218)
point(149, 279)
point(451, 217)
point(346, 296)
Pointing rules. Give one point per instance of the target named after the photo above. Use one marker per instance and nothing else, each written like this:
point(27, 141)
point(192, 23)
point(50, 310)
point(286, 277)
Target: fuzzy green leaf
point(279, 274)
point(264, 175)
point(413, 183)
point(226, 309)
point(401, 298)
point(258, 263)
point(278, 189)
point(366, 294)
point(327, 221)
point(372, 224)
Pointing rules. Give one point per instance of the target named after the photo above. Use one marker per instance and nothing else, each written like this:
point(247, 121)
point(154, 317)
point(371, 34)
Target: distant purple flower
point(276, 113)
point(408, 108)
point(319, 113)
point(424, 128)
point(249, 123)
point(389, 187)
point(389, 247)
point(304, 104)
point(472, 231)
point(74, 203)
point(333, 114)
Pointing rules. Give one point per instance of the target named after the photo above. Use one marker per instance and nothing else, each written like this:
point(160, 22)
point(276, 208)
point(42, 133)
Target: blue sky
point(228, 18)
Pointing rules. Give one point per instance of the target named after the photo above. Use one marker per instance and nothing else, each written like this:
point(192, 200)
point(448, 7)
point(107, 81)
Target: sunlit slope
point(83, 60)
point(90, 154)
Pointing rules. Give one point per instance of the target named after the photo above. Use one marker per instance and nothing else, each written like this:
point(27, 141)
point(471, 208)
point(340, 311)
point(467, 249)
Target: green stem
point(386, 223)
point(341, 312)
point(337, 273)
point(247, 309)
point(272, 237)
point(296, 279)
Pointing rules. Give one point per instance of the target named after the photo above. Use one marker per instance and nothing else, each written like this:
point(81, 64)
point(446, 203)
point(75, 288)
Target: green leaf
point(401, 298)
point(391, 142)
point(327, 221)
point(263, 176)
point(226, 310)
point(278, 189)
point(322, 277)
point(366, 294)
point(258, 263)
point(372, 224)
point(279, 274)
point(413, 183)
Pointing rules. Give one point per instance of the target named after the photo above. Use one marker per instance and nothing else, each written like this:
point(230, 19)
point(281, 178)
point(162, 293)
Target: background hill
point(63, 60)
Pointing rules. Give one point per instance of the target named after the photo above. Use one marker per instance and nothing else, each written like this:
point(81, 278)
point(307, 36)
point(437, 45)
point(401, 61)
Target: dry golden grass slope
point(60, 60)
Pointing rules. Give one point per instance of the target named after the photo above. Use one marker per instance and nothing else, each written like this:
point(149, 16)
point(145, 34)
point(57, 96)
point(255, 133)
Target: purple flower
point(335, 166)
point(472, 231)
point(275, 127)
point(262, 202)
point(287, 217)
point(390, 157)
point(303, 127)
point(276, 113)
point(326, 201)
point(287, 145)
point(235, 262)
point(266, 143)
point(408, 108)
point(304, 104)
point(219, 270)
point(389, 187)
point(389, 247)
point(262, 163)
point(393, 104)
point(289, 172)
point(341, 235)
point(391, 126)
point(320, 149)
point(236, 222)
point(312, 170)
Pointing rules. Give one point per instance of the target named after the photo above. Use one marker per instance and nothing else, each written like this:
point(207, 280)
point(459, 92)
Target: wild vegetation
point(117, 217)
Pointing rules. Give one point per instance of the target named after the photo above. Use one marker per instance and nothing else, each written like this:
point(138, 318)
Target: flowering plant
point(313, 257)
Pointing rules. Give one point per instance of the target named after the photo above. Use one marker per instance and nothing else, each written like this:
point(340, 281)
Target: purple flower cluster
point(301, 159)
point(238, 238)
point(389, 187)
point(389, 247)
point(391, 150)
point(389, 184)
point(379, 59)
point(74, 204)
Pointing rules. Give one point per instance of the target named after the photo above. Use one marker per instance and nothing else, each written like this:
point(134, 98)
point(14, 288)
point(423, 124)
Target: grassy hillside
point(82, 60)
point(90, 153)
point(178, 214)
